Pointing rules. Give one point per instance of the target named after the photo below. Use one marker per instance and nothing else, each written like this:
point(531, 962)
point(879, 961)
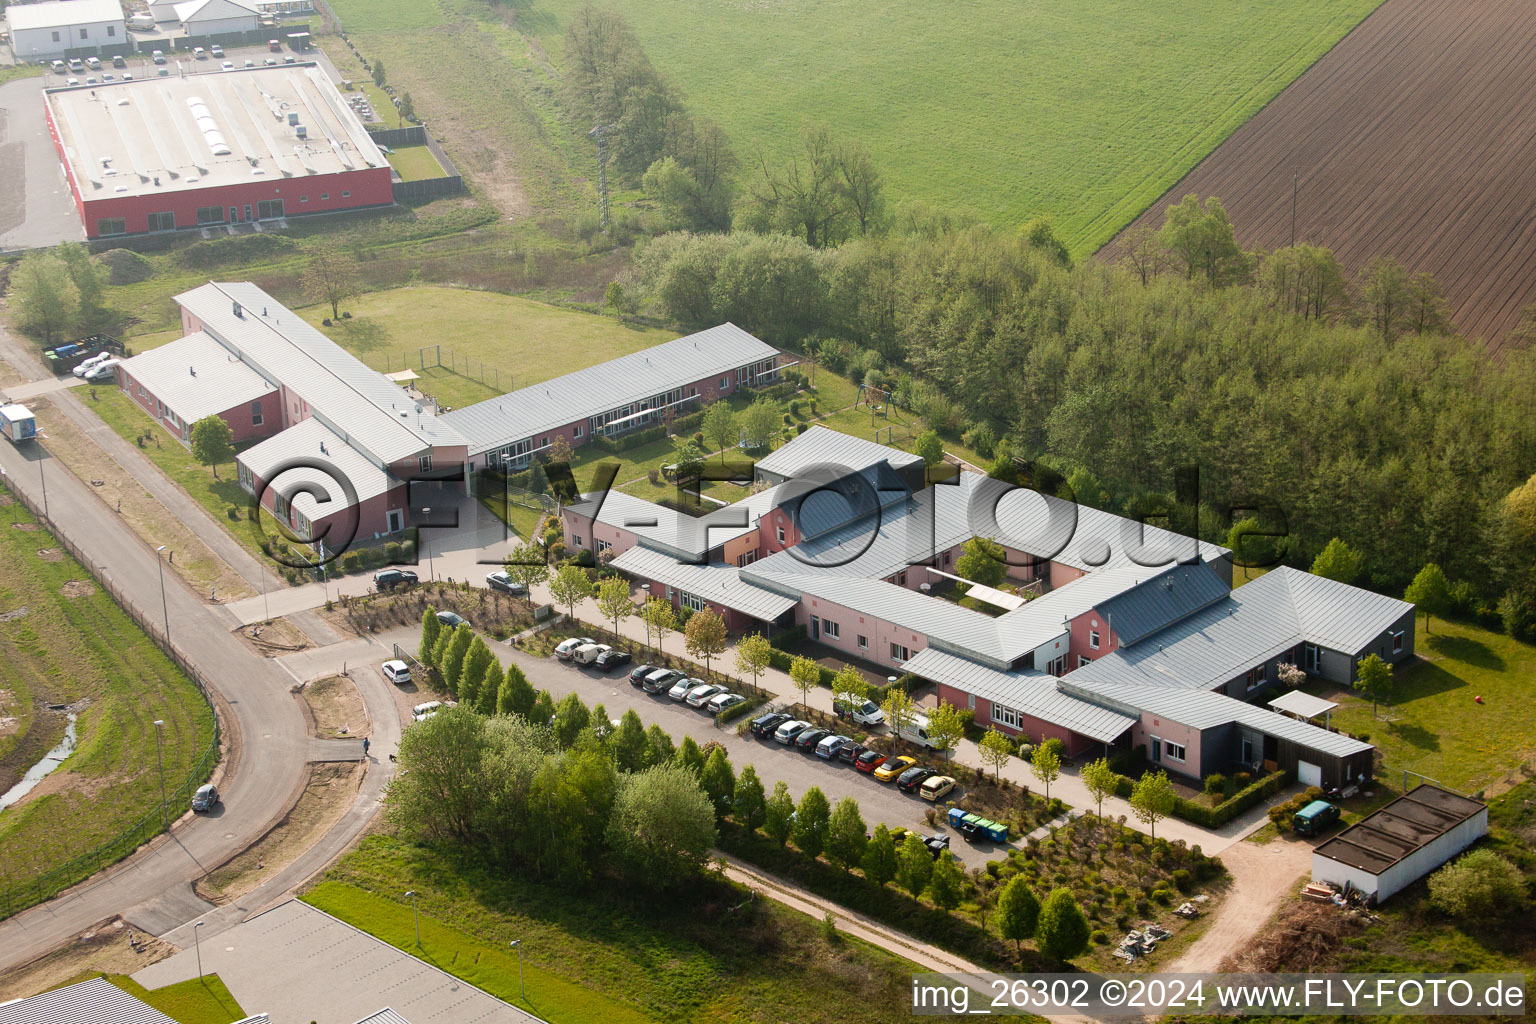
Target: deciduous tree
point(1101, 781)
point(704, 636)
point(900, 711)
point(813, 820)
point(571, 717)
point(660, 619)
point(947, 884)
point(845, 834)
point(1045, 765)
point(759, 422)
point(778, 814)
point(928, 445)
point(1478, 886)
point(1338, 561)
point(879, 860)
point(1018, 912)
point(213, 442)
point(720, 426)
point(982, 561)
point(805, 674)
point(527, 566)
point(1062, 931)
point(945, 728)
point(753, 654)
point(42, 295)
point(751, 807)
point(719, 781)
point(661, 828)
point(613, 600)
point(1430, 591)
point(1152, 799)
point(570, 587)
point(332, 275)
point(914, 865)
point(627, 744)
point(517, 696)
point(996, 750)
point(1373, 677)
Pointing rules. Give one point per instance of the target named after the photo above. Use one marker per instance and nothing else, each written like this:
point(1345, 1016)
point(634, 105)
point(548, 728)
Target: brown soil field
point(1414, 137)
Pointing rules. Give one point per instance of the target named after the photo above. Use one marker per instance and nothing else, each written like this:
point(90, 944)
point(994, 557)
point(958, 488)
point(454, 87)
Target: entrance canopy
point(403, 376)
point(1302, 705)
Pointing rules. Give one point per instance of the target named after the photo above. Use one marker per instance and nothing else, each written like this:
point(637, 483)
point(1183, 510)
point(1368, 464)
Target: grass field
point(415, 163)
point(64, 641)
point(611, 958)
point(195, 1001)
point(1434, 727)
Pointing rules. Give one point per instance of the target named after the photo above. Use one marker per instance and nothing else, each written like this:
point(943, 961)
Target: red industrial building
point(211, 149)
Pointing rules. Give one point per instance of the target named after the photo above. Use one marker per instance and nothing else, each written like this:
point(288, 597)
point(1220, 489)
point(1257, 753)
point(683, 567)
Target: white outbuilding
point(217, 17)
point(50, 29)
point(1393, 847)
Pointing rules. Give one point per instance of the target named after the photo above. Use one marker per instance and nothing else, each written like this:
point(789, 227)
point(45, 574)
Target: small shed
point(1395, 846)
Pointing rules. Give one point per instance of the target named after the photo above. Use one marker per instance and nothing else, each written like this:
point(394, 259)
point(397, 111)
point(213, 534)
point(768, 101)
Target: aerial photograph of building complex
point(680, 511)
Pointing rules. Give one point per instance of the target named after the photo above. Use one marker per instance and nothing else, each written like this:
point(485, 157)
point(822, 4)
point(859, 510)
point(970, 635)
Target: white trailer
point(17, 423)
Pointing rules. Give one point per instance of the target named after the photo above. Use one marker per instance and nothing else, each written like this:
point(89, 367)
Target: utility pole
point(600, 133)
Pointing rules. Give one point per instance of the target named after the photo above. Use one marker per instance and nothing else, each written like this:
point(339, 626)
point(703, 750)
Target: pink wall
point(851, 624)
point(1166, 729)
point(1082, 629)
point(735, 621)
point(770, 524)
point(238, 418)
point(1033, 729)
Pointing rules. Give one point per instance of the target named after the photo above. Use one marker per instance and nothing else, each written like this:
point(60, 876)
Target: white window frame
point(1093, 639)
point(602, 546)
point(1083, 659)
point(903, 657)
point(1168, 751)
point(863, 642)
point(831, 629)
point(576, 431)
point(970, 701)
point(1007, 716)
point(780, 533)
point(692, 601)
point(1397, 642)
point(424, 463)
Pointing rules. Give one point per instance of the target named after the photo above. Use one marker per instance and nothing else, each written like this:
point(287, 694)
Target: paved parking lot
point(36, 208)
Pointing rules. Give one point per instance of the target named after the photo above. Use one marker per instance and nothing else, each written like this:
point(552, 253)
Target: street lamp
point(164, 608)
point(417, 915)
point(431, 570)
point(517, 944)
point(198, 943)
point(160, 761)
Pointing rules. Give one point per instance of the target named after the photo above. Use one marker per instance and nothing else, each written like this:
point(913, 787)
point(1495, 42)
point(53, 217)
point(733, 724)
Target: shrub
point(1182, 879)
point(1098, 937)
point(1481, 884)
point(392, 550)
point(351, 562)
point(800, 428)
point(1215, 783)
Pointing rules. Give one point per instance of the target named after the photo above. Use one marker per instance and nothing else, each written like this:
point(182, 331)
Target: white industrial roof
point(96, 1001)
point(359, 404)
point(716, 582)
point(627, 380)
point(215, 128)
point(196, 377)
point(1033, 693)
point(276, 459)
point(821, 446)
point(1299, 702)
point(213, 10)
point(59, 13)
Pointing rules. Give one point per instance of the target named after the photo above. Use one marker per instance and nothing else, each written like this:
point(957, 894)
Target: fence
point(18, 897)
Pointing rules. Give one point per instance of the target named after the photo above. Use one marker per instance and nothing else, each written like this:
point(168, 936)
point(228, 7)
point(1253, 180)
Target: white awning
point(403, 376)
point(1302, 705)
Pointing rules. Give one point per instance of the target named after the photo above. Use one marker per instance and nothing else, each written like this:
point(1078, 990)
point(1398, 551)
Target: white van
point(916, 732)
point(586, 654)
point(421, 712)
point(143, 21)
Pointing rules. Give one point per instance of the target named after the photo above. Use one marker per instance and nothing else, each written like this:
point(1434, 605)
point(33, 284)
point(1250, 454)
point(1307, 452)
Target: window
point(694, 602)
point(544, 442)
point(210, 214)
point(576, 540)
point(577, 430)
point(1173, 751)
point(256, 417)
point(162, 222)
point(325, 195)
point(970, 701)
point(1006, 716)
point(602, 546)
point(725, 382)
point(1083, 659)
point(901, 579)
point(1397, 643)
point(669, 593)
point(111, 30)
point(303, 199)
point(269, 209)
point(780, 533)
point(899, 653)
point(345, 194)
point(1255, 677)
point(863, 642)
point(85, 34)
point(747, 557)
point(831, 629)
point(1093, 639)
point(111, 226)
point(244, 473)
point(56, 37)
point(424, 463)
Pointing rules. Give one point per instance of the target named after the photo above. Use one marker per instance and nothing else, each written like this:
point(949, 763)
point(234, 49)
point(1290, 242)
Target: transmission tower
point(600, 133)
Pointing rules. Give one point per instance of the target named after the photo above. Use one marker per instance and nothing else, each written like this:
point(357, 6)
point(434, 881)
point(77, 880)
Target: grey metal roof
point(628, 379)
point(1032, 693)
point(1068, 601)
point(1163, 599)
point(196, 376)
point(1205, 709)
point(716, 582)
point(664, 526)
point(360, 404)
point(1337, 615)
point(96, 1001)
point(339, 460)
point(823, 447)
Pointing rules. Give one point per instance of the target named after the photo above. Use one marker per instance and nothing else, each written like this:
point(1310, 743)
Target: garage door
point(1309, 774)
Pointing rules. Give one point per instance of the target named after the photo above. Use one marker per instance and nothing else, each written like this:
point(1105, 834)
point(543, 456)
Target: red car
point(868, 761)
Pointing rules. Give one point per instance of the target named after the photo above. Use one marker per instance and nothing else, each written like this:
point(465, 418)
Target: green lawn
point(610, 957)
point(196, 1001)
point(1435, 727)
point(415, 163)
point(62, 649)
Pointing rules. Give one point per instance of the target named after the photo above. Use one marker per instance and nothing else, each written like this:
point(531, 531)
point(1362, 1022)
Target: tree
point(982, 561)
point(1383, 284)
point(1101, 781)
point(1045, 765)
point(489, 701)
point(407, 107)
point(1373, 677)
point(759, 422)
point(859, 185)
point(378, 73)
point(687, 199)
point(688, 458)
point(477, 662)
point(213, 442)
point(1254, 544)
point(1338, 561)
point(453, 657)
point(526, 565)
point(613, 600)
point(627, 744)
point(661, 827)
point(1430, 591)
point(845, 834)
point(543, 710)
point(430, 630)
point(658, 747)
point(900, 710)
point(1018, 912)
point(1478, 886)
point(517, 696)
point(751, 808)
point(690, 755)
point(45, 299)
point(659, 618)
point(928, 445)
point(1203, 240)
point(332, 275)
point(704, 636)
point(1062, 931)
point(805, 674)
point(1517, 608)
point(1040, 235)
point(879, 860)
point(778, 814)
point(807, 196)
point(996, 749)
point(571, 717)
point(720, 426)
point(571, 586)
point(914, 865)
point(945, 728)
point(946, 886)
point(753, 654)
point(719, 781)
point(849, 687)
point(813, 820)
point(438, 791)
point(1152, 799)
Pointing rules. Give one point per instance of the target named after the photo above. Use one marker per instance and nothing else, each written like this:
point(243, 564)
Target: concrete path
point(34, 389)
point(37, 208)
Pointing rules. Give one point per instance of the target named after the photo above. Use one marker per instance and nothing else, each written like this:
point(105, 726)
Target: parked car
point(389, 579)
point(830, 746)
point(118, 62)
point(249, 63)
point(936, 844)
point(229, 65)
point(639, 672)
point(893, 767)
point(274, 46)
point(610, 660)
point(127, 77)
point(915, 732)
point(396, 671)
point(105, 370)
point(163, 73)
point(787, 732)
point(866, 713)
point(1314, 818)
point(586, 654)
point(87, 365)
point(158, 56)
point(422, 712)
point(936, 786)
point(199, 53)
point(93, 63)
point(76, 64)
point(868, 761)
point(206, 798)
point(566, 648)
point(660, 680)
point(270, 62)
point(850, 752)
point(504, 583)
point(289, 58)
point(910, 779)
point(72, 81)
point(452, 620)
point(720, 701)
point(59, 67)
point(765, 725)
point(700, 695)
point(808, 739)
point(216, 50)
point(683, 686)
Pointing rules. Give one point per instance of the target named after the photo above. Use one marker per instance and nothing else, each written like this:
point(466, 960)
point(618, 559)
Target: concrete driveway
point(36, 207)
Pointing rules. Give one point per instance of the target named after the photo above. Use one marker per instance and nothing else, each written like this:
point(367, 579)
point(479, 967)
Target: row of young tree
point(58, 294)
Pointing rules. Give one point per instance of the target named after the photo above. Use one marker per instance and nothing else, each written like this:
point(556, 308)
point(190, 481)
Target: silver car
point(683, 687)
point(206, 798)
point(699, 694)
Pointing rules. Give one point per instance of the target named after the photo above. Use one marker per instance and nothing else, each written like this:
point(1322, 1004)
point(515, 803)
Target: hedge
point(1214, 817)
point(747, 706)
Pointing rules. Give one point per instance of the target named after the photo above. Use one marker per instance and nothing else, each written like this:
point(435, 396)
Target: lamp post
point(164, 608)
point(198, 943)
point(160, 762)
point(417, 915)
point(431, 569)
point(517, 944)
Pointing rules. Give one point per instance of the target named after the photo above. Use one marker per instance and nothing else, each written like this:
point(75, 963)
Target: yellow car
point(937, 786)
point(893, 767)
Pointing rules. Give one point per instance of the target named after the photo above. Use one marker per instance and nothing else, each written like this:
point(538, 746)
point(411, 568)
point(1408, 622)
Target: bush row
point(1214, 817)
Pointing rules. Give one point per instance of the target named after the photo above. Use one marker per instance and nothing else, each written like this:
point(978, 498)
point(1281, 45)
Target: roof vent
point(322, 449)
point(192, 370)
point(238, 311)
